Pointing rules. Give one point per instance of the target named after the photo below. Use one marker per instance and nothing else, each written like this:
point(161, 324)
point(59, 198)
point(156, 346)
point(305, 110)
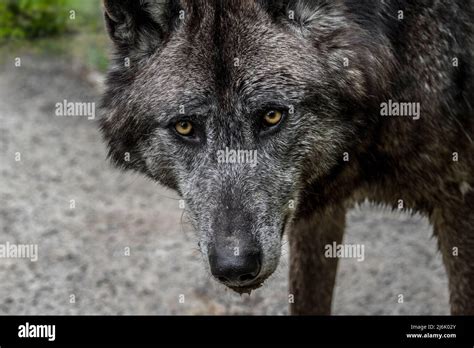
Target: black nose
point(234, 268)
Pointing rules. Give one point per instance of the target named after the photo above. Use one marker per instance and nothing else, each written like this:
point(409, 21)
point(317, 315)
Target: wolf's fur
point(331, 62)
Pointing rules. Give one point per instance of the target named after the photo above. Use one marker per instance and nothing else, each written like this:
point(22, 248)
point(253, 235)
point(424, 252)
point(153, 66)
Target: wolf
point(302, 83)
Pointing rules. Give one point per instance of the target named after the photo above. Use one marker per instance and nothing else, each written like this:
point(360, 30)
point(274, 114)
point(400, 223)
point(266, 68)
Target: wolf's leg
point(455, 230)
point(312, 275)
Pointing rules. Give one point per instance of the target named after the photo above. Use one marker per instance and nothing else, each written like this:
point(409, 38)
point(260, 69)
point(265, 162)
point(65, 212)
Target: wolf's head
point(239, 106)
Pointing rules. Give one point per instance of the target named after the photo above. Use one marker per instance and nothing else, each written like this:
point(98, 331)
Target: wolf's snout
point(235, 268)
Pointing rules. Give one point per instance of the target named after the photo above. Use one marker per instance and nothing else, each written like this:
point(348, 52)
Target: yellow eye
point(272, 117)
point(184, 127)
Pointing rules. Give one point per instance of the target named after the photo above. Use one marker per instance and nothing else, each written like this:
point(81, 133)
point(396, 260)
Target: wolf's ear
point(138, 24)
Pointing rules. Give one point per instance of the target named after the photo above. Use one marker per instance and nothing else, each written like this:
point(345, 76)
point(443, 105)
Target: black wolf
point(341, 101)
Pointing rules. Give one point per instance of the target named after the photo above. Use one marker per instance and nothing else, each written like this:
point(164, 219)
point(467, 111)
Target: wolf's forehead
point(221, 53)
point(223, 36)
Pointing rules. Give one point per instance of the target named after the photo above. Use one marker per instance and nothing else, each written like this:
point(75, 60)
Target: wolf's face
point(239, 106)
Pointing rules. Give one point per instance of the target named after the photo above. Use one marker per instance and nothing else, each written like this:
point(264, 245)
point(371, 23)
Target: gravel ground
point(82, 268)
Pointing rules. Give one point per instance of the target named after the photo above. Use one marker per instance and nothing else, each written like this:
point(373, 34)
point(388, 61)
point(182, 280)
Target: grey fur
point(226, 62)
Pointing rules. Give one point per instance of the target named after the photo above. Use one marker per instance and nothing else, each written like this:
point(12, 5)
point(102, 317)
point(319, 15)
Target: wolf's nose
point(235, 269)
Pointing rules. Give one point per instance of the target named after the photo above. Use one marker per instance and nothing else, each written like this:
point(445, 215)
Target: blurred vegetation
point(31, 18)
point(70, 28)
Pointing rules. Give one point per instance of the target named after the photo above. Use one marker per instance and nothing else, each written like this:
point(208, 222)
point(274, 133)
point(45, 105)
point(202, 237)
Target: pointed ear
point(138, 24)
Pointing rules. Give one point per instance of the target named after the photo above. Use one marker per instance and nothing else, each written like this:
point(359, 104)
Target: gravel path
point(82, 268)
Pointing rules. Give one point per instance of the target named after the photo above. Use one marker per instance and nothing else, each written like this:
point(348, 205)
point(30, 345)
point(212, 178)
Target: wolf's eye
point(272, 118)
point(184, 128)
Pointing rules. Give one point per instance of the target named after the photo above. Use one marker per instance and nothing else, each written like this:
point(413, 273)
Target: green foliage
point(21, 19)
point(88, 15)
point(61, 28)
